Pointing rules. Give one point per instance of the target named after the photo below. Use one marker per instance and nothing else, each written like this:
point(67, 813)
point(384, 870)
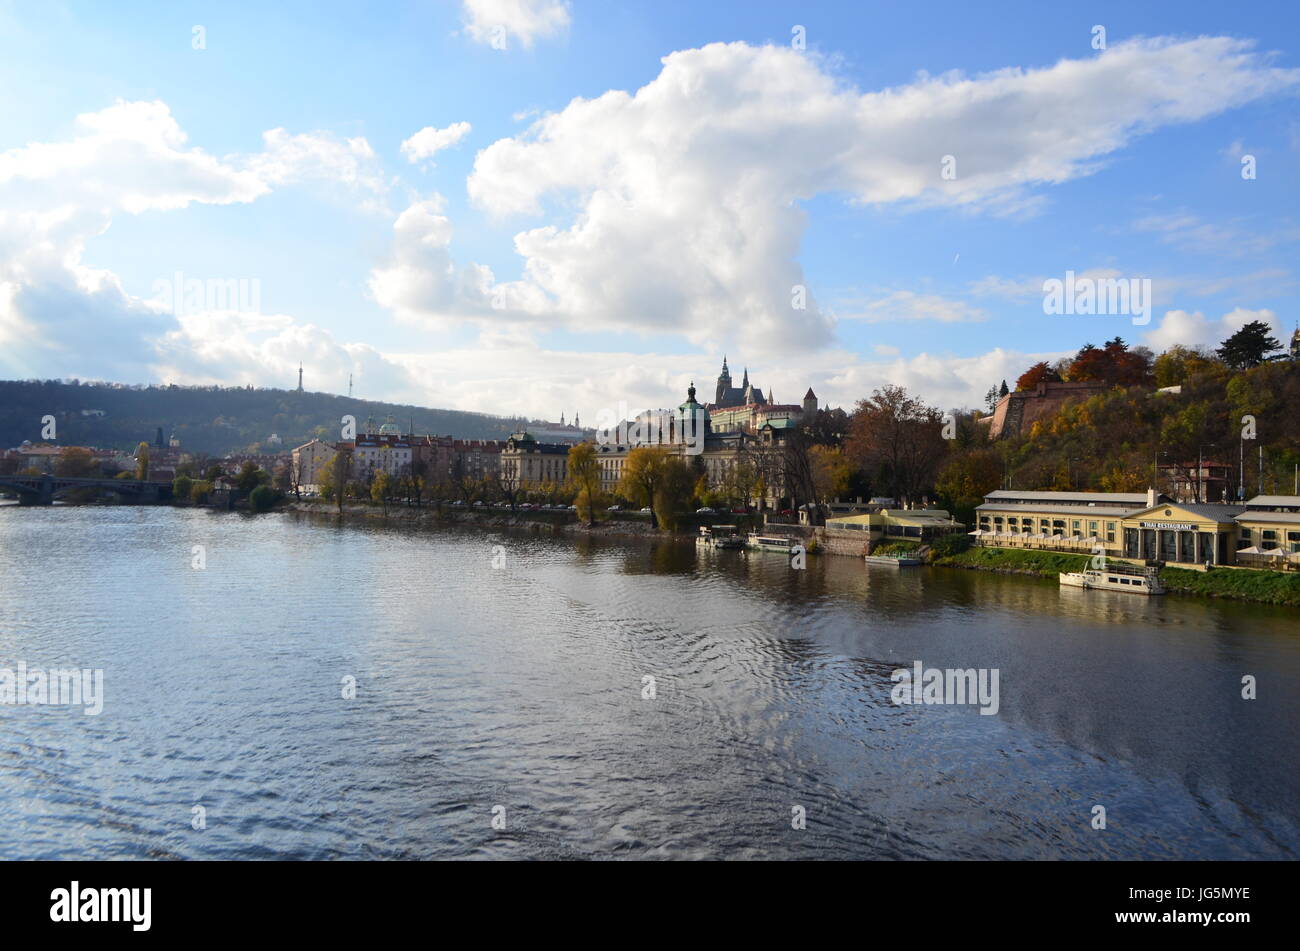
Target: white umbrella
point(1252, 550)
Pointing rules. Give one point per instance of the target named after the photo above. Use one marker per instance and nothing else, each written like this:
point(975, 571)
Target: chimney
point(1151, 497)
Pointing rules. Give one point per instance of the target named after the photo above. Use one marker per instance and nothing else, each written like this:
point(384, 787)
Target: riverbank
point(558, 523)
point(1238, 584)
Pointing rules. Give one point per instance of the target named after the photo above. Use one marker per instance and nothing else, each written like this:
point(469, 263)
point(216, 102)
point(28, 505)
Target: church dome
point(390, 428)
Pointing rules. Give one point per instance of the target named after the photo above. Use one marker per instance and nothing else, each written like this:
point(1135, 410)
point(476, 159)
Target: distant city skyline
point(535, 206)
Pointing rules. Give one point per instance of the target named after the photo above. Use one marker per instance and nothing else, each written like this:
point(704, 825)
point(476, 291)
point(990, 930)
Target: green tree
point(249, 477)
point(181, 487)
point(674, 491)
point(199, 492)
point(142, 461)
point(1249, 346)
point(261, 498)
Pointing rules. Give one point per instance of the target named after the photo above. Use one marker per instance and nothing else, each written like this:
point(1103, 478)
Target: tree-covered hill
point(209, 419)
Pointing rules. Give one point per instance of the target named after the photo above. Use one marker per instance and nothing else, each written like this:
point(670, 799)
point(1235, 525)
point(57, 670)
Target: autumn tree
point(584, 476)
point(76, 463)
point(898, 436)
point(643, 471)
point(142, 461)
point(967, 478)
point(381, 488)
point(675, 489)
point(1041, 372)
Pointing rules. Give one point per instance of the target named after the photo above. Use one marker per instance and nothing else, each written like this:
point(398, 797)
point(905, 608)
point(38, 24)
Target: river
point(502, 707)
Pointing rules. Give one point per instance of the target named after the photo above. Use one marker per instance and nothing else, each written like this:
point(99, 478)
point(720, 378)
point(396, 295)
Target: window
point(1092, 528)
point(1110, 531)
point(1270, 535)
point(1074, 526)
point(1245, 534)
point(1293, 536)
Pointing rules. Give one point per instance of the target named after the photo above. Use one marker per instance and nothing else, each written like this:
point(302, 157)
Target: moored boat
point(719, 536)
point(1134, 579)
point(893, 561)
point(771, 542)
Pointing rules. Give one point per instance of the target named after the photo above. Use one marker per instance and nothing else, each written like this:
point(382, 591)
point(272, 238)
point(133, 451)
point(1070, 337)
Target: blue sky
point(560, 255)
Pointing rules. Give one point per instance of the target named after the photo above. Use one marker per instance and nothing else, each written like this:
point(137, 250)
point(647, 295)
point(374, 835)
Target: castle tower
point(809, 404)
point(724, 383)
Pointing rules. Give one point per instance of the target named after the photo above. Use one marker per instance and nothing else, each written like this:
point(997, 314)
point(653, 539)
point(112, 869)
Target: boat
point(719, 536)
point(1134, 579)
point(771, 542)
point(893, 561)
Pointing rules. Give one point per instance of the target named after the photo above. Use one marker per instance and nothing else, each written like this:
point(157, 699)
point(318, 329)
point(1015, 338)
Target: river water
point(503, 677)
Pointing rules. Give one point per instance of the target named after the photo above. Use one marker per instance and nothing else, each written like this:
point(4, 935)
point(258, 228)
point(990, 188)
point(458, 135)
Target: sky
point(539, 207)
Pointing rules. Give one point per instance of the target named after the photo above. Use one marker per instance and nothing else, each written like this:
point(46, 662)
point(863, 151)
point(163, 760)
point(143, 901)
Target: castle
point(744, 407)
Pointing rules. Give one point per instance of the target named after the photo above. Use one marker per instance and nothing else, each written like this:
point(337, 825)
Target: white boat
point(1118, 577)
point(771, 542)
point(719, 536)
point(893, 561)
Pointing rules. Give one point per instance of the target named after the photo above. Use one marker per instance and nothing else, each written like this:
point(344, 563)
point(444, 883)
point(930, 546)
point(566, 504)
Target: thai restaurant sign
point(1170, 526)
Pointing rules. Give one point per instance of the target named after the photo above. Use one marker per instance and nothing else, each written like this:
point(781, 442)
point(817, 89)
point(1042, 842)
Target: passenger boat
point(719, 536)
point(771, 542)
point(1117, 577)
point(893, 561)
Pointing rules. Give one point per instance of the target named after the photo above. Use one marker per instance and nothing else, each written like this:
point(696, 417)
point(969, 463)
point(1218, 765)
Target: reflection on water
point(523, 687)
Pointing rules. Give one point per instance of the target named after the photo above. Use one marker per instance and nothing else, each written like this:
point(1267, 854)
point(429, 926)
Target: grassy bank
point(1240, 584)
point(1044, 564)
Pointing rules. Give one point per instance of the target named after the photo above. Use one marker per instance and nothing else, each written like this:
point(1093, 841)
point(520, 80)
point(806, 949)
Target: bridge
point(44, 489)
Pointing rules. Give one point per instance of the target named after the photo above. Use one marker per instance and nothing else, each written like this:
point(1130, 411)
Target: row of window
point(1024, 525)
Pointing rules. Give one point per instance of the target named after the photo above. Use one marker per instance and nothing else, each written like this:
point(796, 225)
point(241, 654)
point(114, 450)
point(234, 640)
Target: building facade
point(1262, 532)
point(527, 463)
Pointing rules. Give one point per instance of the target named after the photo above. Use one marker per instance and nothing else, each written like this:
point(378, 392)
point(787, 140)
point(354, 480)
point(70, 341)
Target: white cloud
point(429, 141)
point(687, 192)
point(1195, 329)
point(59, 316)
point(493, 21)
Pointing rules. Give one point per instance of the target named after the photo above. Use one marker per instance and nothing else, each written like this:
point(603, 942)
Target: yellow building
point(1057, 520)
point(1182, 533)
point(919, 524)
point(1263, 532)
point(1268, 532)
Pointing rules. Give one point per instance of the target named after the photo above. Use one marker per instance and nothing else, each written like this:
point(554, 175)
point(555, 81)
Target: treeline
point(209, 419)
point(1235, 407)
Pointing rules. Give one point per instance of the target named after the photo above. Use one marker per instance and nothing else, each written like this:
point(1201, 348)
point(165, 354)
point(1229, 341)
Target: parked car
point(573, 508)
point(614, 508)
point(459, 503)
point(706, 510)
point(646, 510)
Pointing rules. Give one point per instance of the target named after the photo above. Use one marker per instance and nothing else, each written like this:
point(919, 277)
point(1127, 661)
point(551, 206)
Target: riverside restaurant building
point(1145, 527)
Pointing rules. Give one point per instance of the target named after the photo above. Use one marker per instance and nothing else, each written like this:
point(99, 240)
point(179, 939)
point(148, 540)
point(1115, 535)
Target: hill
point(210, 419)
